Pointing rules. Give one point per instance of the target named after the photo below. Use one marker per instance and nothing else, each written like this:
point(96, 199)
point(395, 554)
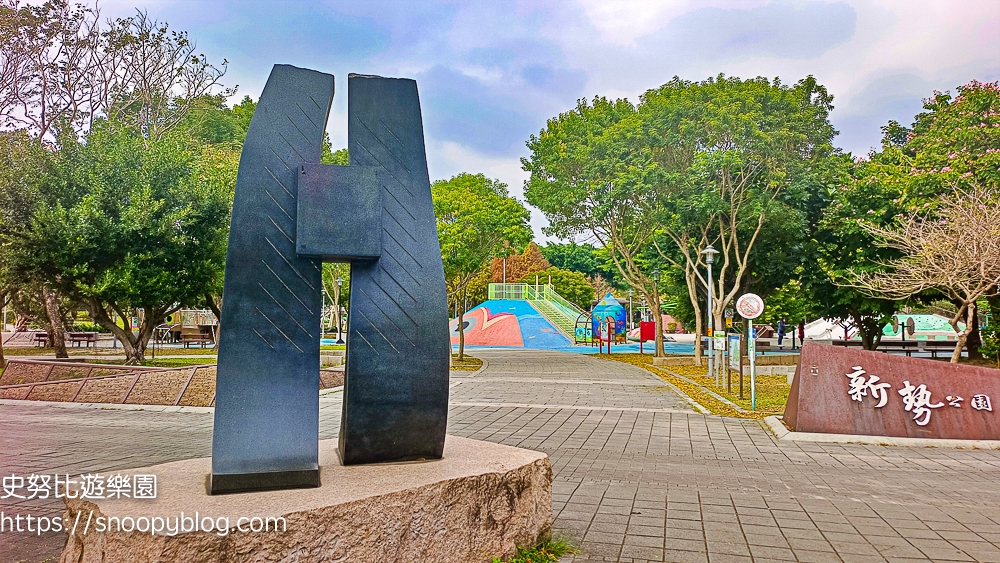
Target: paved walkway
point(638, 476)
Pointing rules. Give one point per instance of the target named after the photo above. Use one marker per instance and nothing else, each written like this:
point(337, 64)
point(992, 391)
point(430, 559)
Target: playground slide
point(502, 322)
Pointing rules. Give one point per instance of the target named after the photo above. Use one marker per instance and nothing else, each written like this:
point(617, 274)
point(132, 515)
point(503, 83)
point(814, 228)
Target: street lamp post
point(340, 319)
point(710, 253)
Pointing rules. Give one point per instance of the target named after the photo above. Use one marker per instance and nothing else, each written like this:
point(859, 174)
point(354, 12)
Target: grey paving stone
point(638, 476)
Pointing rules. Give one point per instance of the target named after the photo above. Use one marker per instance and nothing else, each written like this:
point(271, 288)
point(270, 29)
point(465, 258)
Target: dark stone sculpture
point(290, 214)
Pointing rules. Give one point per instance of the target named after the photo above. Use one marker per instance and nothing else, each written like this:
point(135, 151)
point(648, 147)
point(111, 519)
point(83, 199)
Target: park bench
point(907, 347)
point(935, 346)
point(39, 338)
point(189, 337)
point(87, 338)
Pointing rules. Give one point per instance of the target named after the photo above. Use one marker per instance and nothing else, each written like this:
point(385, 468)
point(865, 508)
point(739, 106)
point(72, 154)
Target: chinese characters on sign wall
point(916, 399)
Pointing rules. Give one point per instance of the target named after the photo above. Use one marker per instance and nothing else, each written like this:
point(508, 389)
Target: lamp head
point(340, 282)
point(709, 253)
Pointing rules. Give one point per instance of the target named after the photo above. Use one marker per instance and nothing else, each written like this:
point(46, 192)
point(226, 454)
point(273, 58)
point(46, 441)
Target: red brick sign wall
point(848, 391)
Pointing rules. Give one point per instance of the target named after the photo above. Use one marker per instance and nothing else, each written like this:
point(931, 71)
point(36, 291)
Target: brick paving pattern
point(638, 476)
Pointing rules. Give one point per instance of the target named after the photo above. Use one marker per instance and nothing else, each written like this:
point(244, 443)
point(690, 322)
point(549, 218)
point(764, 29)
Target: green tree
point(955, 144)
point(591, 174)
point(735, 160)
point(572, 256)
point(130, 226)
point(583, 258)
point(573, 286)
point(25, 166)
point(336, 292)
point(861, 193)
point(475, 217)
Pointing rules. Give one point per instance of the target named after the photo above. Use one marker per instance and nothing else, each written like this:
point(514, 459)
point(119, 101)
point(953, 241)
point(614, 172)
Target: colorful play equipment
point(519, 315)
point(609, 307)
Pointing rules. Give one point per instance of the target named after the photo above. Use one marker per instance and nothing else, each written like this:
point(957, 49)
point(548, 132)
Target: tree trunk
point(3, 325)
point(460, 303)
point(974, 340)
point(658, 320)
point(215, 305)
point(56, 322)
point(133, 344)
point(4, 300)
point(869, 328)
point(698, 328)
point(970, 319)
point(336, 313)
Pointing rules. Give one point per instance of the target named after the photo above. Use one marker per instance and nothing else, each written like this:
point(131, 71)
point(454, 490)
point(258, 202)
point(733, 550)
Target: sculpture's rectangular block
point(340, 213)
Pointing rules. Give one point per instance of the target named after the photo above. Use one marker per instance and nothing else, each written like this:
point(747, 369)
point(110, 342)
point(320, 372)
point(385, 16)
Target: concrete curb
point(776, 427)
point(106, 406)
point(330, 391)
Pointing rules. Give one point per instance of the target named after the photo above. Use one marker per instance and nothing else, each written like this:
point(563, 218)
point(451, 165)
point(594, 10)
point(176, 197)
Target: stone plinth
point(478, 502)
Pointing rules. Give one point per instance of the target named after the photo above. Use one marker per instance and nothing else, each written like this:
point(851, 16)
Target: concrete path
point(638, 475)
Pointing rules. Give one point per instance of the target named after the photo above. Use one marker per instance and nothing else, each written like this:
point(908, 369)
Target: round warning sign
point(750, 306)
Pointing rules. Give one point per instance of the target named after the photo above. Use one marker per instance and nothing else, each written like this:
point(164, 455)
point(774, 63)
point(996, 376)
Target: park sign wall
point(290, 214)
point(848, 391)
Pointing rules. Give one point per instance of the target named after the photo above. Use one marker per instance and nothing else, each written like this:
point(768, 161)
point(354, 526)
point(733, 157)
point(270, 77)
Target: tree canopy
point(476, 217)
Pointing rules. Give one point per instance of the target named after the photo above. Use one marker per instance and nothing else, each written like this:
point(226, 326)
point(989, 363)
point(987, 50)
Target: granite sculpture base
point(480, 501)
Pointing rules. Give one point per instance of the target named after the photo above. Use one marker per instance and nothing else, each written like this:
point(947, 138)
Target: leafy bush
point(990, 347)
point(548, 552)
point(88, 327)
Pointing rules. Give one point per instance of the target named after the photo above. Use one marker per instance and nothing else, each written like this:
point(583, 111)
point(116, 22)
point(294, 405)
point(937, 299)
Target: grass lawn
point(772, 391)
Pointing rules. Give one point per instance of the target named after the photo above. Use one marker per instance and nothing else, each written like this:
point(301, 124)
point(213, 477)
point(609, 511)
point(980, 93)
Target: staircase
point(556, 316)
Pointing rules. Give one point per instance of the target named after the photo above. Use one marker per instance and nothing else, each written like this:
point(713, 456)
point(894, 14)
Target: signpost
point(750, 306)
point(720, 347)
point(734, 358)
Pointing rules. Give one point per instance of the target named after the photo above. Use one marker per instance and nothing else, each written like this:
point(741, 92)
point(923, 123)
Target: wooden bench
point(195, 337)
point(39, 338)
point(87, 338)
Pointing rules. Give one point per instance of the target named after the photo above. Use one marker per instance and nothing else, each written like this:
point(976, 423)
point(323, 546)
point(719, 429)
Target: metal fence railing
point(516, 291)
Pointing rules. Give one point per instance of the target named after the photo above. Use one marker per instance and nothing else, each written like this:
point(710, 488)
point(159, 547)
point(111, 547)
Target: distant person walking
point(802, 333)
point(781, 331)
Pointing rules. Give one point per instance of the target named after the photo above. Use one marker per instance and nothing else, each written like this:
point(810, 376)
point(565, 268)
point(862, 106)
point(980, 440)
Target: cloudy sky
point(491, 72)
